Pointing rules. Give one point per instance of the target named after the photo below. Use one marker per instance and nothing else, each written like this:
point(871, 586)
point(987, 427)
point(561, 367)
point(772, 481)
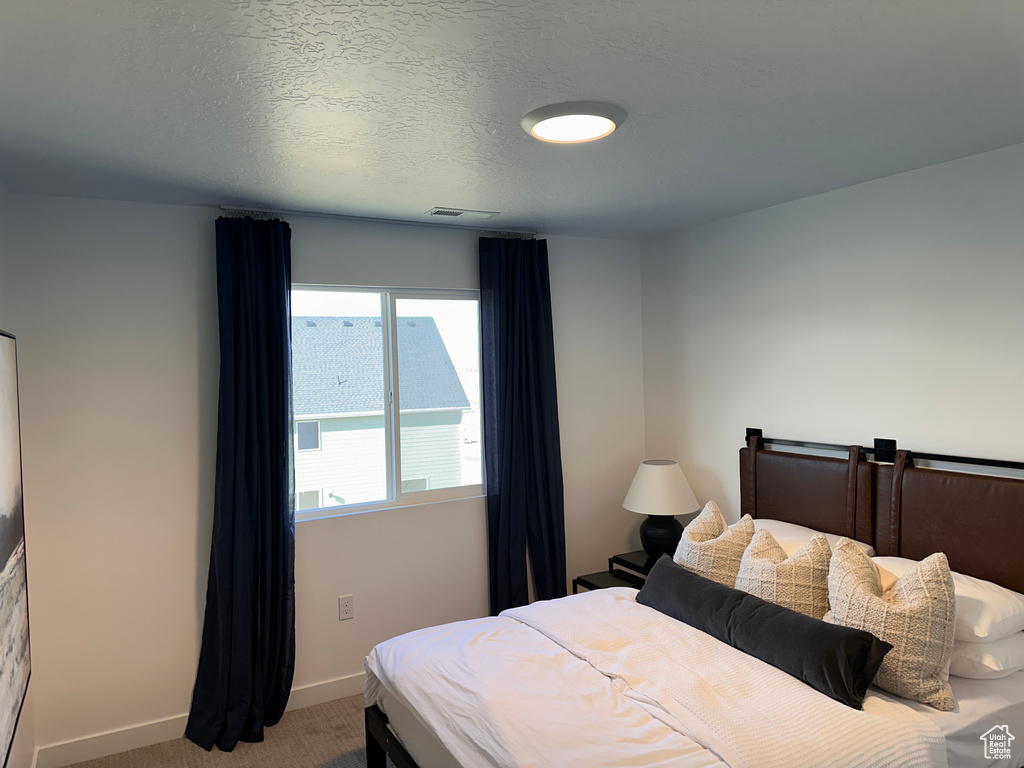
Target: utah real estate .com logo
point(997, 743)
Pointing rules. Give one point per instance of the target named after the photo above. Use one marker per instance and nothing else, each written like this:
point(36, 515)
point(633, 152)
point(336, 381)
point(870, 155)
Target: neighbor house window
point(415, 484)
point(307, 500)
point(386, 395)
point(307, 435)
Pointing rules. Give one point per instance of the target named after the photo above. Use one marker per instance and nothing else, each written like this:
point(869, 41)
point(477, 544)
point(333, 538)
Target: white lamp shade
point(660, 488)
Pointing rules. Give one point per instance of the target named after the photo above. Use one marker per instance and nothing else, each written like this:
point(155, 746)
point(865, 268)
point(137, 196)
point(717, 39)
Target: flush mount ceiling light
point(573, 122)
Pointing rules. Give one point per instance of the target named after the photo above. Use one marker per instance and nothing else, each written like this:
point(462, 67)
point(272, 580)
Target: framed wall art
point(15, 663)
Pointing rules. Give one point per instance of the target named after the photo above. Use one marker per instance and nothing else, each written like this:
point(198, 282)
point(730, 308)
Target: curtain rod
point(262, 213)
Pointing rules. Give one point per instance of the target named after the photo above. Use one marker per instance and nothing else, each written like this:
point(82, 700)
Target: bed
point(599, 680)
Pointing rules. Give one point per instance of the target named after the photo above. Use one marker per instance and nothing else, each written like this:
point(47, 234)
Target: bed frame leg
point(376, 755)
point(382, 744)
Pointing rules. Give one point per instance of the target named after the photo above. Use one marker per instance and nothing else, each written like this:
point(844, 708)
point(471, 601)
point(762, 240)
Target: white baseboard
point(110, 743)
point(157, 731)
point(329, 690)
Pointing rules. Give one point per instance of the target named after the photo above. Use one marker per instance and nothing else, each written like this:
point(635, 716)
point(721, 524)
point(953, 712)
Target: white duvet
point(597, 680)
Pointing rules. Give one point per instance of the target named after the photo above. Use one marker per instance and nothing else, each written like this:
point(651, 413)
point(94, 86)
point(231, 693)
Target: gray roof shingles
point(337, 366)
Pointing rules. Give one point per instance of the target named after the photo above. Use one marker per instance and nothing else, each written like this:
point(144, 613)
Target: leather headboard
point(902, 510)
point(813, 491)
point(977, 520)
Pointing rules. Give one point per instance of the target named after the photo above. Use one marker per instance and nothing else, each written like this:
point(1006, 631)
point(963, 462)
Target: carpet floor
point(329, 735)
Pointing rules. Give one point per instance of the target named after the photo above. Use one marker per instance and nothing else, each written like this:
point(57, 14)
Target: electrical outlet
point(345, 608)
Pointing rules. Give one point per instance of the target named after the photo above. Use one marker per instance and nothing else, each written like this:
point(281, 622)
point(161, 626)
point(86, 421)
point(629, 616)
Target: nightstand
point(638, 562)
point(629, 569)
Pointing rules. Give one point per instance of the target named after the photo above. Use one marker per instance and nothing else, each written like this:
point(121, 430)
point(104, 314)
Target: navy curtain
point(248, 652)
point(525, 505)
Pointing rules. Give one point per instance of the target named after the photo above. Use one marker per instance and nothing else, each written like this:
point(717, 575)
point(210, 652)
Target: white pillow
point(984, 611)
point(793, 537)
point(987, 661)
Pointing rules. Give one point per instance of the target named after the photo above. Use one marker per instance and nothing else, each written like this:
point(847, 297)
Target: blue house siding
point(350, 463)
point(349, 467)
point(432, 448)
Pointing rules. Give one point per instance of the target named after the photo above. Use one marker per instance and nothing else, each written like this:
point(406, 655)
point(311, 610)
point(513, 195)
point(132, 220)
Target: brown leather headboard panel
point(977, 520)
point(902, 510)
point(809, 490)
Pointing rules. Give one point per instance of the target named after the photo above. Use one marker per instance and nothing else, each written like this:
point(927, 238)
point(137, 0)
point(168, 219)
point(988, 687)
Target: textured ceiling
point(388, 108)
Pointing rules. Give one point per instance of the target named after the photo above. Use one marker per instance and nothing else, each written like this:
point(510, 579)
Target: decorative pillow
point(987, 661)
point(838, 661)
point(711, 548)
point(799, 582)
point(792, 536)
point(984, 611)
point(917, 616)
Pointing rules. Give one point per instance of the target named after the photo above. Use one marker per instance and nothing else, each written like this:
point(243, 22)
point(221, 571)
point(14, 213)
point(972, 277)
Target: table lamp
point(660, 491)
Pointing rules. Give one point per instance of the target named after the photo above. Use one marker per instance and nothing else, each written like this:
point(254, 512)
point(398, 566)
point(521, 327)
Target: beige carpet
point(323, 736)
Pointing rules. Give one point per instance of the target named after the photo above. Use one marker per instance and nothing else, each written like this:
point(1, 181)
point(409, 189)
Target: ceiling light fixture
point(573, 122)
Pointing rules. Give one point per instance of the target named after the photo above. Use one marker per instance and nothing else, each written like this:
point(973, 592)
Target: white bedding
point(981, 705)
point(598, 680)
point(497, 693)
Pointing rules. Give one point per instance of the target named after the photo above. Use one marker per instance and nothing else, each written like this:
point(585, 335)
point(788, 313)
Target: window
point(386, 395)
point(307, 435)
point(415, 484)
point(307, 500)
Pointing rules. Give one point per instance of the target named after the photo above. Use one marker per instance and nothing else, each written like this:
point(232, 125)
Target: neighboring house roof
point(338, 364)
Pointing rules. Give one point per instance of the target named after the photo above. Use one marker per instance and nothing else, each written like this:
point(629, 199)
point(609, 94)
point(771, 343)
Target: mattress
point(420, 742)
point(507, 691)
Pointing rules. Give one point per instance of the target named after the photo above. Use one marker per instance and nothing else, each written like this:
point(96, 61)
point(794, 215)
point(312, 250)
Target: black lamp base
point(659, 535)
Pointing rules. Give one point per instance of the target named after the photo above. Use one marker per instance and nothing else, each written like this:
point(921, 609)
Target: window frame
point(392, 404)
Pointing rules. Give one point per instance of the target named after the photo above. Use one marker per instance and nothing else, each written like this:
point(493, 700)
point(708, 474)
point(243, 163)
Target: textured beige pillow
point(799, 582)
point(710, 548)
point(917, 616)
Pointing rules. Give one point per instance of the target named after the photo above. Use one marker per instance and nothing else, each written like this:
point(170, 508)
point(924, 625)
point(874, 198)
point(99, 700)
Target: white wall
point(6, 285)
point(888, 309)
point(116, 317)
point(116, 320)
point(23, 747)
point(595, 289)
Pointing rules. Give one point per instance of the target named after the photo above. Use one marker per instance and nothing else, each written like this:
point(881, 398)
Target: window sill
point(426, 498)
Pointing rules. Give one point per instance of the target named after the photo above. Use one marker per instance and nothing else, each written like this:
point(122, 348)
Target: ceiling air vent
point(459, 213)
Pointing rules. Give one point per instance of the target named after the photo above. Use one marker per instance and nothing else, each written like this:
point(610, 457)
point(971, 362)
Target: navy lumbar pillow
point(838, 661)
